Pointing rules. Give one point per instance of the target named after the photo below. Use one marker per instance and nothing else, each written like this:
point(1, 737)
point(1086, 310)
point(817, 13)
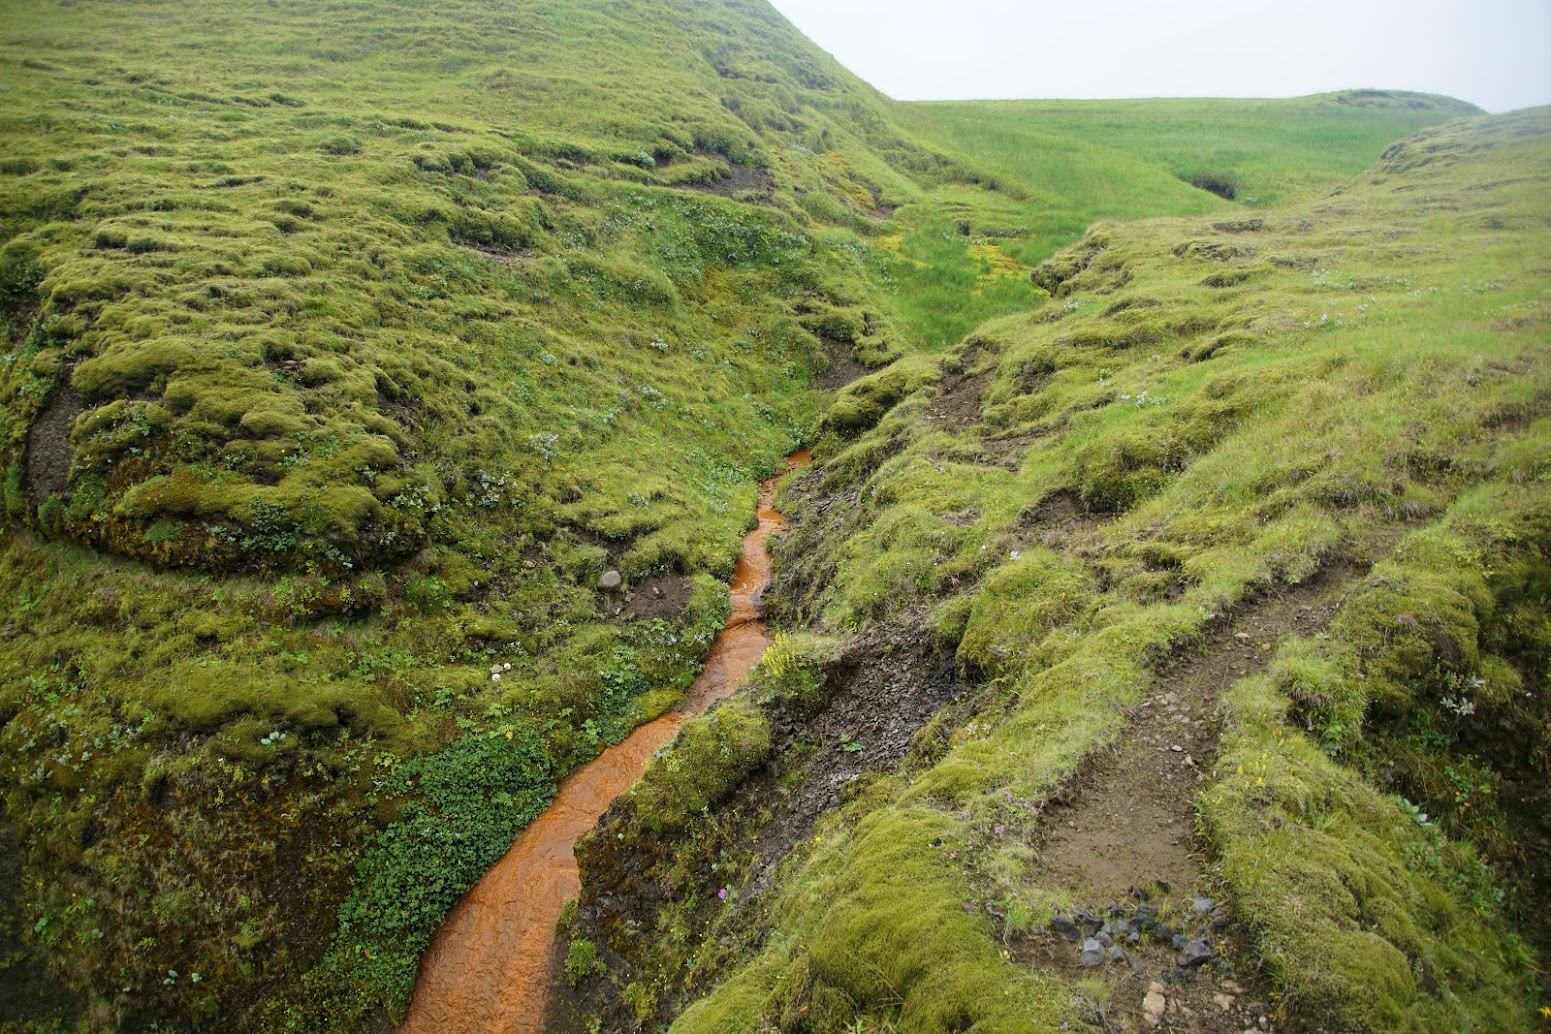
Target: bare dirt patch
point(957, 404)
point(49, 451)
point(842, 369)
point(1056, 521)
point(662, 596)
point(751, 184)
point(878, 694)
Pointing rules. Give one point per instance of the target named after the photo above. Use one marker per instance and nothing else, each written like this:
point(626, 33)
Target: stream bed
point(489, 967)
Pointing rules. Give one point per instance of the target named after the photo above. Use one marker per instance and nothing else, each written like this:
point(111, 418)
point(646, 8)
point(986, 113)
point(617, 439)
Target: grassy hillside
point(1277, 487)
point(347, 346)
point(1083, 161)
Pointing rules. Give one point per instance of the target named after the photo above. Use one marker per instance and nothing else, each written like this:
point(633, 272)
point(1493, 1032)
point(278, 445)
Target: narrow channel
point(488, 968)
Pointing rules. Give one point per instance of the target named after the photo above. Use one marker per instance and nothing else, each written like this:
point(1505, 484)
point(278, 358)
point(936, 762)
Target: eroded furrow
point(1123, 844)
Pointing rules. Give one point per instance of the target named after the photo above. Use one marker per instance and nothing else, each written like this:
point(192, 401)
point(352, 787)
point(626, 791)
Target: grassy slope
point(390, 327)
point(1083, 161)
point(398, 325)
point(1236, 405)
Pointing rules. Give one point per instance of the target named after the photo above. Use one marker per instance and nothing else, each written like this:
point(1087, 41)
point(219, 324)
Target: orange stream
point(488, 967)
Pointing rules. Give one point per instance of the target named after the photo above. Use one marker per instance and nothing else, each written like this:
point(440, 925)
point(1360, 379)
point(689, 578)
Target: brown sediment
point(488, 968)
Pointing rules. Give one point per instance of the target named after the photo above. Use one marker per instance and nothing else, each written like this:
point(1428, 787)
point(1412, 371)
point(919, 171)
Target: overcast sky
point(1495, 53)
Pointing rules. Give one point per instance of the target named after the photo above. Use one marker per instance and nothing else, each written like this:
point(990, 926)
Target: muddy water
point(488, 968)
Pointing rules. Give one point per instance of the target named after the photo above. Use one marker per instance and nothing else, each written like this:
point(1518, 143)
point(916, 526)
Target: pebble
point(1154, 1005)
point(1196, 953)
point(1092, 953)
point(610, 580)
point(1223, 1002)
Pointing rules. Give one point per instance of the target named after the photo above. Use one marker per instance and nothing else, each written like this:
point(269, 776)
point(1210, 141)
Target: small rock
point(1196, 953)
point(1176, 748)
point(610, 581)
point(1241, 635)
point(1222, 1001)
point(1201, 906)
point(1154, 1005)
point(1092, 953)
point(1115, 954)
point(1064, 926)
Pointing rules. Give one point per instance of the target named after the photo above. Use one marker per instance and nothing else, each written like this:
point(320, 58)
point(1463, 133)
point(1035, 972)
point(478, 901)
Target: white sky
point(1495, 53)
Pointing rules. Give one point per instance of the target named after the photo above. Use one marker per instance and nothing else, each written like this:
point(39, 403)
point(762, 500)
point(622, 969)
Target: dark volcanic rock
point(1092, 953)
point(1196, 953)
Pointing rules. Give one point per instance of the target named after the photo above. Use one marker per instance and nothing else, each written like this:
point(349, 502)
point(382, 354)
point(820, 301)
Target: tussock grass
point(1372, 394)
point(347, 345)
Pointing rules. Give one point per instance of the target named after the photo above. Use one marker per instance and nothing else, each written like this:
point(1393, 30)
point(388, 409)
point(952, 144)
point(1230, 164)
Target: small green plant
point(582, 961)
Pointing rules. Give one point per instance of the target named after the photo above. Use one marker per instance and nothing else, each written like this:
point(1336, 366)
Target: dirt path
point(1124, 845)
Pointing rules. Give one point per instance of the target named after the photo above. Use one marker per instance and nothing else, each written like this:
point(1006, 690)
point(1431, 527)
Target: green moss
point(384, 355)
point(793, 669)
point(710, 756)
point(861, 404)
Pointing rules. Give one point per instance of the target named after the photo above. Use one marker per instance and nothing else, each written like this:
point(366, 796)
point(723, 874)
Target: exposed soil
point(1215, 185)
point(502, 253)
point(878, 695)
point(842, 369)
point(1125, 835)
point(757, 184)
point(49, 452)
point(957, 403)
point(1057, 520)
point(882, 211)
point(1005, 450)
point(662, 596)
